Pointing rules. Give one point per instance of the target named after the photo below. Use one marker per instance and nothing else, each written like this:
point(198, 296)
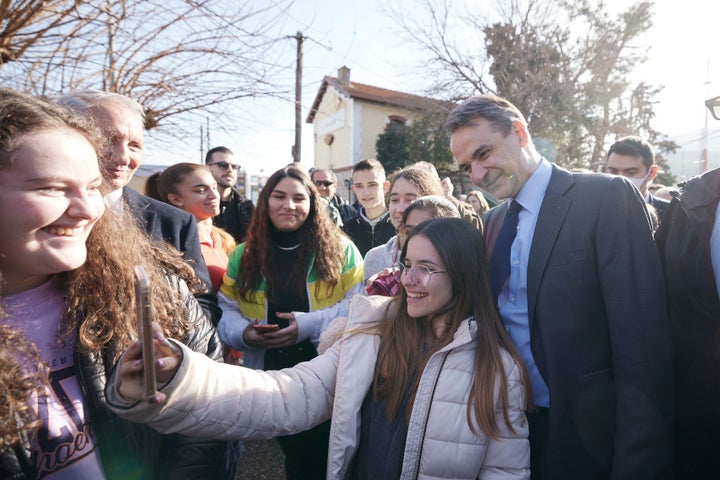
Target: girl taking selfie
point(422, 385)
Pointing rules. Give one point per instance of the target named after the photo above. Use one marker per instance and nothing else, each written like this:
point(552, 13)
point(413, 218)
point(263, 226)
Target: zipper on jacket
point(416, 468)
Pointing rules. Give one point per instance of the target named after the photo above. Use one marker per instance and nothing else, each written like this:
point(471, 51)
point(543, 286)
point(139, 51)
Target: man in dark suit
point(634, 159)
point(582, 299)
point(122, 121)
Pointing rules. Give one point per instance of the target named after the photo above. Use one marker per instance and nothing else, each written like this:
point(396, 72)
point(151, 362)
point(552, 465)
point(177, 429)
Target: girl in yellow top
point(294, 260)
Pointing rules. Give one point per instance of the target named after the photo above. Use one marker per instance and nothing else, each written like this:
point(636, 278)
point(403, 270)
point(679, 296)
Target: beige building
point(347, 118)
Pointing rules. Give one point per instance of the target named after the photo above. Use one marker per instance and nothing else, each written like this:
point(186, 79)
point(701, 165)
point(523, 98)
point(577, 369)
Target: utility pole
point(202, 147)
point(703, 160)
point(298, 97)
point(207, 132)
point(112, 25)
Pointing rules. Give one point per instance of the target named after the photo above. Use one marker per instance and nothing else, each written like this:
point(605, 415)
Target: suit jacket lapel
point(552, 214)
point(138, 205)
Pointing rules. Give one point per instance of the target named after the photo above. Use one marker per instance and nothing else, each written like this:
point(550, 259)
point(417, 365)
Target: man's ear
point(520, 130)
point(651, 174)
point(386, 186)
point(175, 200)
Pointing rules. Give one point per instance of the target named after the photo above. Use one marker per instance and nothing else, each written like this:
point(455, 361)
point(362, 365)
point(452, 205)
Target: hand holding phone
point(145, 332)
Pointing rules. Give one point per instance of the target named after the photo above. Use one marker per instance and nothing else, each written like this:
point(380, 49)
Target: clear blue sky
point(685, 54)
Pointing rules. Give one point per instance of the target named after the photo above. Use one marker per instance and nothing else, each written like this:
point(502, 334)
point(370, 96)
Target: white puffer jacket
point(207, 399)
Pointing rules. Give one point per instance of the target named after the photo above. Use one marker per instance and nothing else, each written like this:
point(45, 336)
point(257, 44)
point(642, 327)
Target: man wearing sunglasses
point(235, 208)
point(689, 244)
point(326, 183)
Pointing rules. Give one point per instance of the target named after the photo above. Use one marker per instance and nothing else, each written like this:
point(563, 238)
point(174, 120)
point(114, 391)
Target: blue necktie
point(499, 265)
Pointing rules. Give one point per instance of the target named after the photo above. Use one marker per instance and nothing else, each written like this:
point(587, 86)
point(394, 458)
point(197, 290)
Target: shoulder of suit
point(166, 210)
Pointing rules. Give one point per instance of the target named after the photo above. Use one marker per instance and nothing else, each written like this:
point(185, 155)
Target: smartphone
point(144, 326)
point(275, 320)
point(265, 327)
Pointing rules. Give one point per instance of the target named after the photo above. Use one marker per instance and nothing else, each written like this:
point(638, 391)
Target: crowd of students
point(381, 340)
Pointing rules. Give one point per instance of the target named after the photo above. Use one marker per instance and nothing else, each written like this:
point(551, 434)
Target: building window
point(395, 121)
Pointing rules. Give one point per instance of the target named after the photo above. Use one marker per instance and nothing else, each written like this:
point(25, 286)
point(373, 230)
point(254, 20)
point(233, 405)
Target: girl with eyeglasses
point(423, 385)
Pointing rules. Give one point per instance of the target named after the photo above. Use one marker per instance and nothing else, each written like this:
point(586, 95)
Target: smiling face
point(49, 201)
point(197, 194)
point(123, 130)
point(288, 205)
point(401, 195)
point(495, 162)
point(426, 296)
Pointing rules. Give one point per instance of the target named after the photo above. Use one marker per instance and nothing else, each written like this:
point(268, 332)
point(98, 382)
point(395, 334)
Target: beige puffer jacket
point(223, 401)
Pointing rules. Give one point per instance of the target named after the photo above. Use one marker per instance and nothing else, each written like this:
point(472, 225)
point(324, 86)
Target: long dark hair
point(319, 238)
point(402, 355)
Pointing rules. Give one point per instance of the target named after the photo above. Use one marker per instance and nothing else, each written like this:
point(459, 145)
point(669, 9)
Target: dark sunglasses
point(324, 183)
point(225, 165)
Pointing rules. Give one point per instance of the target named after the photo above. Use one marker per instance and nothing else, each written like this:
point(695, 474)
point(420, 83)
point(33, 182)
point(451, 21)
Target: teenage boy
point(372, 227)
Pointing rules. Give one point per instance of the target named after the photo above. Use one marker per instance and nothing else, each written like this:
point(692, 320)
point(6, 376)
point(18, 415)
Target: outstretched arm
point(202, 398)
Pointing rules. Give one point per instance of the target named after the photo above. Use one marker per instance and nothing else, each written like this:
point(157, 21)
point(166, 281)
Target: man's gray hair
point(83, 100)
point(331, 173)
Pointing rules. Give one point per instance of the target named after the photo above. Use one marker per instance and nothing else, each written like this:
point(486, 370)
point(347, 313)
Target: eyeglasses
point(419, 273)
point(225, 165)
point(324, 183)
point(713, 104)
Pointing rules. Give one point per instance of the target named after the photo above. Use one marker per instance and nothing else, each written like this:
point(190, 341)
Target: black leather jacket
point(235, 215)
point(135, 451)
point(683, 239)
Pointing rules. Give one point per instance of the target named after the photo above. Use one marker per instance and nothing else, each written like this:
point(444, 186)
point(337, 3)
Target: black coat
point(178, 228)
point(366, 236)
point(235, 215)
point(684, 243)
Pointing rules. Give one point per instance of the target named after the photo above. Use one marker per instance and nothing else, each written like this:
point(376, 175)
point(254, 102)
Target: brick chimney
point(343, 76)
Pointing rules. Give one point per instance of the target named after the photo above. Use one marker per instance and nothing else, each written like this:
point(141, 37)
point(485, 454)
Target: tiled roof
point(372, 94)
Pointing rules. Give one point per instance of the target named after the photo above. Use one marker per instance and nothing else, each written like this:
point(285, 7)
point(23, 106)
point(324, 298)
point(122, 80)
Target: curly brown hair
point(100, 311)
point(21, 114)
point(21, 373)
point(101, 294)
point(319, 238)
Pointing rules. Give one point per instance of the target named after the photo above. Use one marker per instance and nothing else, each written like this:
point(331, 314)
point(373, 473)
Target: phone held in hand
point(144, 326)
point(265, 327)
point(273, 319)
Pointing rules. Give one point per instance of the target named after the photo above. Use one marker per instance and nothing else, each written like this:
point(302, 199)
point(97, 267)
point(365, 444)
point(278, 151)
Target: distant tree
point(428, 141)
point(565, 64)
point(31, 30)
point(391, 147)
point(178, 58)
point(423, 139)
